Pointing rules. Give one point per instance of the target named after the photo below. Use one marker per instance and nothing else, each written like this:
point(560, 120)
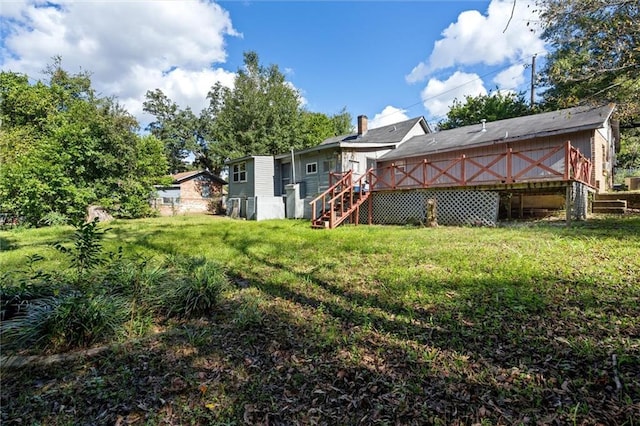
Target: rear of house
point(522, 165)
point(252, 193)
point(263, 187)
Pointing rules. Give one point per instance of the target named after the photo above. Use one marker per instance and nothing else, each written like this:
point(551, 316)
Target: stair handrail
point(342, 181)
point(342, 192)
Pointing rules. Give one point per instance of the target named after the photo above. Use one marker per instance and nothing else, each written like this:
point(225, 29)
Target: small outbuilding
point(197, 191)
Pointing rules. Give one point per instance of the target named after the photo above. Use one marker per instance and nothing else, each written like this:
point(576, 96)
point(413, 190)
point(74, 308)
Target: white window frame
point(239, 172)
point(312, 168)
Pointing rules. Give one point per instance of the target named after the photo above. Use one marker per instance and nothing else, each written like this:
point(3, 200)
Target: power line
point(523, 61)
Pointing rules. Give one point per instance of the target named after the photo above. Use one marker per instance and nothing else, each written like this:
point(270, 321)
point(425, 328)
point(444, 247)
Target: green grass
point(366, 324)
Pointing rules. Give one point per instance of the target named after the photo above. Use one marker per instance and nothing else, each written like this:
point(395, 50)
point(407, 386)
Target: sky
point(388, 60)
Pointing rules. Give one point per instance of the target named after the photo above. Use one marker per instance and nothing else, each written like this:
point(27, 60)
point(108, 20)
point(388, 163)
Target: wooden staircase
point(341, 202)
point(609, 206)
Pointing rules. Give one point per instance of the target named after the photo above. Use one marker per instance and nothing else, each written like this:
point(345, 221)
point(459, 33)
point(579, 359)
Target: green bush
point(54, 219)
point(19, 288)
point(69, 321)
point(193, 287)
point(86, 252)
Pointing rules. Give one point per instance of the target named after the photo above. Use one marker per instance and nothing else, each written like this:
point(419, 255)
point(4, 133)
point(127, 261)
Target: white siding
point(263, 176)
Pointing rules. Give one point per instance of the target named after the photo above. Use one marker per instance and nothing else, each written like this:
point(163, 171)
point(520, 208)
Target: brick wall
point(191, 199)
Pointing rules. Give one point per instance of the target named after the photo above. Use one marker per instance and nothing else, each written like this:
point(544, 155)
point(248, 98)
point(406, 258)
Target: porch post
point(521, 205)
point(568, 205)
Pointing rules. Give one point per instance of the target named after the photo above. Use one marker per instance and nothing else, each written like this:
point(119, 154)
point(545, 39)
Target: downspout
point(293, 166)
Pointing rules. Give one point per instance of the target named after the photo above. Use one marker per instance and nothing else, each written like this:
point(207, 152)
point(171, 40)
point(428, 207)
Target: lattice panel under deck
point(454, 207)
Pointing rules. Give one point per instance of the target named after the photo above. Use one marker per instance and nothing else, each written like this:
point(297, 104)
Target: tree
point(595, 54)
point(491, 107)
point(176, 128)
point(259, 116)
point(316, 127)
point(63, 148)
point(629, 155)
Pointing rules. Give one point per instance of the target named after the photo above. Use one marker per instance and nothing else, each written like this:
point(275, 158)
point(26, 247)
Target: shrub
point(68, 321)
point(54, 219)
point(193, 288)
point(18, 289)
point(86, 252)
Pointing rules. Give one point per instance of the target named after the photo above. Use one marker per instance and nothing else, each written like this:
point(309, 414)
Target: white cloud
point(482, 39)
point(303, 100)
point(438, 96)
point(511, 78)
point(389, 115)
point(129, 47)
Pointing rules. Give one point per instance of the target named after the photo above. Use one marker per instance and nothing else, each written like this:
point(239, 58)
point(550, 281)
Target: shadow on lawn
point(504, 352)
point(7, 244)
point(381, 370)
point(495, 328)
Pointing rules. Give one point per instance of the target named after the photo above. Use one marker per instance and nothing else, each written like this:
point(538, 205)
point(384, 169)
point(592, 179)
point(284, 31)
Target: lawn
point(526, 324)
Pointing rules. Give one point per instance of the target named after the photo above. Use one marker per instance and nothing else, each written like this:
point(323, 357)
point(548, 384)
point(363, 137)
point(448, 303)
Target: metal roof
point(508, 130)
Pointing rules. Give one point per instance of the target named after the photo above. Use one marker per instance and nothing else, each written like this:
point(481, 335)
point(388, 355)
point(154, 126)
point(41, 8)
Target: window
point(328, 166)
point(312, 168)
point(171, 200)
point(239, 172)
point(205, 190)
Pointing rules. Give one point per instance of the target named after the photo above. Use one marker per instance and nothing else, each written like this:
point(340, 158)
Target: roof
point(509, 130)
point(184, 176)
point(245, 158)
point(380, 137)
point(389, 134)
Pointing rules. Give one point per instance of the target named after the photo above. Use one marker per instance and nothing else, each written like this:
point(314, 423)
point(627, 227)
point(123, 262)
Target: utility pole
point(533, 80)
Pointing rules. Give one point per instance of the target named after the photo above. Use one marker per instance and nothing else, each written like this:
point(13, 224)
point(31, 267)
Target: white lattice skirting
point(453, 207)
point(580, 201)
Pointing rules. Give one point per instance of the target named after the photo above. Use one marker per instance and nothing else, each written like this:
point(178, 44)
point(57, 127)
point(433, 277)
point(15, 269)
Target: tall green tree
point(63, 148)
point(490, 107)
point(595, 53)
point(260, 115)
point(176, 128)
point(315, 127)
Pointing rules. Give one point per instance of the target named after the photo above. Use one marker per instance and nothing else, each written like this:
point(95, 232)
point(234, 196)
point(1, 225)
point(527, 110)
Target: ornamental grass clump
point(68, 321)
point(193, 287)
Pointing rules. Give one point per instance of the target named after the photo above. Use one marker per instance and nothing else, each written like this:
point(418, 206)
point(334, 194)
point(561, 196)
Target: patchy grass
point(535, 324)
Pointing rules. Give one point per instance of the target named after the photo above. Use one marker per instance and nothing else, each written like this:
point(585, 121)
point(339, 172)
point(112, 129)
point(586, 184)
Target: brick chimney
point(362, 124)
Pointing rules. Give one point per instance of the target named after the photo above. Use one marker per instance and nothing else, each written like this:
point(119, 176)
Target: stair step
point(610, 203)
point(610, 210)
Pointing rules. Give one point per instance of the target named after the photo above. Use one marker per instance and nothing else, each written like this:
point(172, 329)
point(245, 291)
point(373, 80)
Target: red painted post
point(393, 175)
point(567, 162)
point(463, 176)
point(509, 165)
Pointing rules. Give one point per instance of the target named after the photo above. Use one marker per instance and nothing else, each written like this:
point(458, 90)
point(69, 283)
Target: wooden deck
point(553, 166)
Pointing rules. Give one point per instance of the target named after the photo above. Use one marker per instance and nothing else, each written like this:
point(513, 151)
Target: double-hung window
point(312, 168)
point(239, 172)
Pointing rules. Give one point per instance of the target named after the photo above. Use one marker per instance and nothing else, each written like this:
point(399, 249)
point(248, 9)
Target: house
point(197, 191)
point(468, 175)
point(262, 187)
point(522, 165)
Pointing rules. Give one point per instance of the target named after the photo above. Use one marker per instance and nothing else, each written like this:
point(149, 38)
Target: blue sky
point(388, 60)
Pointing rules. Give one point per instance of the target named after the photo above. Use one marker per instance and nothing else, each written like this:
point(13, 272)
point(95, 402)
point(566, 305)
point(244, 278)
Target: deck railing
point(559, 163)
